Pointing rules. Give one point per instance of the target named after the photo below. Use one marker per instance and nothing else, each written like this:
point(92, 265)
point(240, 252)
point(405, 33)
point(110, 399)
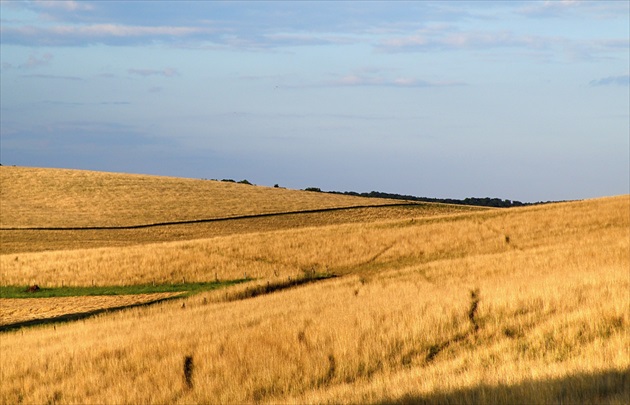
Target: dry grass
point(33, 197)
point(358, 248)
point(553, 315)
point(15, 310)
point(20, 241)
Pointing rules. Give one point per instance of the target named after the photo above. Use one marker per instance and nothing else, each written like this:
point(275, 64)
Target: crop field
point(389, 304)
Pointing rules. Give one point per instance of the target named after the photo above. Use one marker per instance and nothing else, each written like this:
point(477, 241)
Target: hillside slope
point(36, 197)
point(525, 305)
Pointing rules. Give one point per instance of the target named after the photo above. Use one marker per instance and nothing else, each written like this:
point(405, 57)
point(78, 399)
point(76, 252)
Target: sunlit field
point(33, 197)
point(23, 310)
point(18, 241)
point(520, 305)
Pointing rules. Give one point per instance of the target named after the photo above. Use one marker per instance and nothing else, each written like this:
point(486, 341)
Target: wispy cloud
point(106, 75)
point(448, 40)
point(35, 61)
point(364, 79)
point(78, 35)
point(168, 72)
point(553, 46)
point(264, 25)
point(563, 8)
point(55, 77)
point(65, 5)
point(548, 8)
point(83, 103)
point(621, 80)
point(299, 39)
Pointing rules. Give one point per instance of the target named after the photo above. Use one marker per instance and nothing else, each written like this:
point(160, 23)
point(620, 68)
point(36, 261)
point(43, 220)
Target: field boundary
point(206, 220)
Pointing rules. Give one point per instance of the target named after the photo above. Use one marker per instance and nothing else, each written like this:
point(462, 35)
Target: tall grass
point(551, 316)
point(349, 248)
point(20, 241)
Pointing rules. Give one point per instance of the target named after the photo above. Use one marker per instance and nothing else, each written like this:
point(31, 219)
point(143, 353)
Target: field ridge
point(206, 220)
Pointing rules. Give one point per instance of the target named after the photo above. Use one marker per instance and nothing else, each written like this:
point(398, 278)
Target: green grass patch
point(48, 292)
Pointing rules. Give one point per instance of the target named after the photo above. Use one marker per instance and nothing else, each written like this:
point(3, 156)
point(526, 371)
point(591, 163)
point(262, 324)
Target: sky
point(527, 101)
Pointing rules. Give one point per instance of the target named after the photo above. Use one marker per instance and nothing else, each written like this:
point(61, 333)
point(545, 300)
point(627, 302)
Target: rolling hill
point(35, 197)
point(429, 303)
point(53, 209)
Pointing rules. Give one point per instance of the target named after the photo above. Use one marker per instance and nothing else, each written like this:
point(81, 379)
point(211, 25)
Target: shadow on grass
point(611, 386)
point(269, 288)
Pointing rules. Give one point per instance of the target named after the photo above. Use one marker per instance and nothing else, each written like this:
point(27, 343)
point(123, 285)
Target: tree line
point(477, 201)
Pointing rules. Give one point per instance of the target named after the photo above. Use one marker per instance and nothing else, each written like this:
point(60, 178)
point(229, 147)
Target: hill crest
point(44, 197)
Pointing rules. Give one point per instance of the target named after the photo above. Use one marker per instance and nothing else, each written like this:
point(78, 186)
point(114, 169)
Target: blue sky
point(522, 100)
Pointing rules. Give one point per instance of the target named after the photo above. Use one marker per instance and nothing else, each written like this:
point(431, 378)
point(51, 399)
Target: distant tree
point(244, 181)
point(486, 201)
point(228, 180)
point(276, 186)
point(316, 189)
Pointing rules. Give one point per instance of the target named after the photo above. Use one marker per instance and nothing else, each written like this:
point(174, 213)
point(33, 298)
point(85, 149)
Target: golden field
point(35, 240)
point(16, 310)
point(34, 197)
point(548, 321)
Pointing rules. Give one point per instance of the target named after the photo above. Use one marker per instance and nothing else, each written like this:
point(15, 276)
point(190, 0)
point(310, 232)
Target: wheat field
point(521, 305)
